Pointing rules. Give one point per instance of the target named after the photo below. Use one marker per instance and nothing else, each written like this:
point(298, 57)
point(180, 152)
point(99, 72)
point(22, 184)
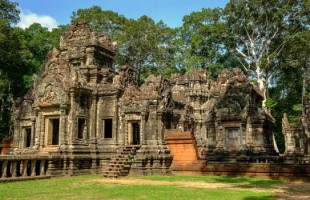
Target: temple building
point(83, 116)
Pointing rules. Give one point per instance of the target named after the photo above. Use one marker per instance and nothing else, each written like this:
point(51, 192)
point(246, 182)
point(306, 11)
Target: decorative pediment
point(51, 92)
point(231, 105)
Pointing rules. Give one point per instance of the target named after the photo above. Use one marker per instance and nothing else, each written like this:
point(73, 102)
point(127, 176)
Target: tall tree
point(100, 20)
point(38, 42)
point(255, 27)
point(143, 44)
point(9, 11)
point(202, 42)
point(9, 61)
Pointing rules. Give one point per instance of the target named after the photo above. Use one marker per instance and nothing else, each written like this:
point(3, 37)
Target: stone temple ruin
point(84, 117)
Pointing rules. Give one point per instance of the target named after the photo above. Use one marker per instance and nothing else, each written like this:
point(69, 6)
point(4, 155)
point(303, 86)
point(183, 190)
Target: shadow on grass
point(255, 181)
point(260, 198)
point(216, 179)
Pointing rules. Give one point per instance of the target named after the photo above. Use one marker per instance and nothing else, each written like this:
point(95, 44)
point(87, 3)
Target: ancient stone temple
point(82, 116)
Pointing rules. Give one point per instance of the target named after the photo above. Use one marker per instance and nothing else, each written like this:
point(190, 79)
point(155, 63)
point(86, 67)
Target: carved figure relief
point(49, 94)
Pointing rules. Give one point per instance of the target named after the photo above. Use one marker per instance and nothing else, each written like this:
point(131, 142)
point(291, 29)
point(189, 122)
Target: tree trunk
point(304, 84)
point(261, 84)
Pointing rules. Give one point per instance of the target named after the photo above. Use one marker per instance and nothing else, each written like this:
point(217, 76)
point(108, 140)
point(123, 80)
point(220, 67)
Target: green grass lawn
point(96, 187)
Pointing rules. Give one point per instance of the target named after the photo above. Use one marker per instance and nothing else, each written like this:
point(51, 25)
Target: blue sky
point(57, 12)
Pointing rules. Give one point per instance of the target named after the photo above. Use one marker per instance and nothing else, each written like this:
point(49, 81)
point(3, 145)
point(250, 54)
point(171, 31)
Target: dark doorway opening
point(108, 124)
point(135, 133)
point(81, 127)
point(28, 136)
point(55, 131)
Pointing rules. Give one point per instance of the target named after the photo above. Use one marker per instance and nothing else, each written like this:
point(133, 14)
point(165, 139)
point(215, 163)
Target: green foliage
point(22, 52)
point(101, 20)
point(270, 103)
point(202, 41)
point(11, 69)
point(9, 11)
point(142, 43)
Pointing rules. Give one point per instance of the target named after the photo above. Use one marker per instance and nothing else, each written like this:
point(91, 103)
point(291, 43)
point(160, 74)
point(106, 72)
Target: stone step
point(110, 176)
point(120, 164)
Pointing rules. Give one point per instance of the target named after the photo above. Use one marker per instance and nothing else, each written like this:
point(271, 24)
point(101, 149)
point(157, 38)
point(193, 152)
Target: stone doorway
point(233, 139)
point(53, 131)
point(134, 133)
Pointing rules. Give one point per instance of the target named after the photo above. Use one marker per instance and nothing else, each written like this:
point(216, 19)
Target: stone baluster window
point(81, 128)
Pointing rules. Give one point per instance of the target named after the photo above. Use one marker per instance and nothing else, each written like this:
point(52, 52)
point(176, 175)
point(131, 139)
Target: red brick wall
point(183, 148)
point(7, 144)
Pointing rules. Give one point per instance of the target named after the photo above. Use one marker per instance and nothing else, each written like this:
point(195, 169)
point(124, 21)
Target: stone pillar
point(98, 134)
point(25, 164)
point(64, 170)
point(126, 126)
point(62, 128)
point(16, 135)
point(142, 134)
point(94, 165)
point(37, 129)
point(50, 167)
point(129, 133)
point(71, 167)
point(159, 128)
point(14, 169)
point(219, 142)
point(33, 122)
point(42, 166)
point(115, 121)
point(4, 168)
point(42, 135)
point(72, 131)
point(33, 168)
point(243, 135)
point(93, 117)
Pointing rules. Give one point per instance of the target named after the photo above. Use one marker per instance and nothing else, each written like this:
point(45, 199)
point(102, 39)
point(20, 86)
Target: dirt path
point(285, 191)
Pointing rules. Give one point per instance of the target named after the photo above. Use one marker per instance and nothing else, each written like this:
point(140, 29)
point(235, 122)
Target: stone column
point(159, 128)
point(42, 135)
point(25, 164)
point(72, 130)
point(37, 128)
point(14, 169)
point(64, 170)
point(219, 142)
point(62, 129)
point(16, 135)
point(243, 135)
point(92, 119)
point(49, 167)
point(142, 128)
point(33, 122)
point(71, 167)
point(126, 127)
point(4, 168)
point(33, 168)
point(98, 134)
point(42, 165)
point(115, 120)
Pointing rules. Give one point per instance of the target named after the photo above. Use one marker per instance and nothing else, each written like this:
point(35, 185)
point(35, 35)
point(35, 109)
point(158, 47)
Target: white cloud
point(28, 18)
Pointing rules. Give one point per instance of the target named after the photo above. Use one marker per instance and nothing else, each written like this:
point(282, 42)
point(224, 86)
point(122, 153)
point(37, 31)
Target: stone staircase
point(120, 163)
